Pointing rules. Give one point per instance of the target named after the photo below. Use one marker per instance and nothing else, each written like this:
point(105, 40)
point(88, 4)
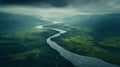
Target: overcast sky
point(48, 8)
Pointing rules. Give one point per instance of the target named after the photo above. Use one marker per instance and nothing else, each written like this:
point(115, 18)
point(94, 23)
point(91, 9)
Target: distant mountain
point(76, 19)
point(106, 25)
point(101, 24)
point(10, 22)
point(92, 19)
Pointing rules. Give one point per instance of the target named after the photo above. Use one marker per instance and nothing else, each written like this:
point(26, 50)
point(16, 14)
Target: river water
point(75, 59)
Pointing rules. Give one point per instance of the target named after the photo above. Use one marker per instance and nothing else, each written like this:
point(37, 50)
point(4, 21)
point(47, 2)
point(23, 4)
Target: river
point(75, 59)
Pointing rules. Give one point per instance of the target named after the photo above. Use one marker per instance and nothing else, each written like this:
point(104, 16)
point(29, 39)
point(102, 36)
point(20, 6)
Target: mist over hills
point(101, 24)
point(11, 22)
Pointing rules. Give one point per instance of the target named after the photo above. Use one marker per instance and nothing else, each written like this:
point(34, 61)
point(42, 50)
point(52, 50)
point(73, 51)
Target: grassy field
point(28, 48)
point(80, 41)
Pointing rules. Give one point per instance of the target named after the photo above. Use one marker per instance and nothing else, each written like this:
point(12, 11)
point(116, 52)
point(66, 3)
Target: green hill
point(13, 22)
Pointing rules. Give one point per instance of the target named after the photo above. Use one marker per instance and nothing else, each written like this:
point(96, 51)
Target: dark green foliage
point(93, 35)
point(22, 45)
point(29, 49)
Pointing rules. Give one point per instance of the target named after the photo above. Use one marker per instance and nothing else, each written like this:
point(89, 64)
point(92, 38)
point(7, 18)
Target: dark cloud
point(81, 5)
point(61, 3)
point(56, 3)
point(96, 5)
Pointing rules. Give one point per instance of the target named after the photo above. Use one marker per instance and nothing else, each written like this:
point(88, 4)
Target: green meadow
point(81, 41)
point(28, 48)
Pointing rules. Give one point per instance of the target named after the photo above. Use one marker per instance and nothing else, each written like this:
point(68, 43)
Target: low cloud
point(59, 8)
point(81, 5)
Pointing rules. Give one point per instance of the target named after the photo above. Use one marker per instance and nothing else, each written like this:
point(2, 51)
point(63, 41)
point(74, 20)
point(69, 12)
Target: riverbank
point(77, 60)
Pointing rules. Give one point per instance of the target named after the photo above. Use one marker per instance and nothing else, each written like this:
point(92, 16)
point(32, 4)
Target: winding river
point(75, 59)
